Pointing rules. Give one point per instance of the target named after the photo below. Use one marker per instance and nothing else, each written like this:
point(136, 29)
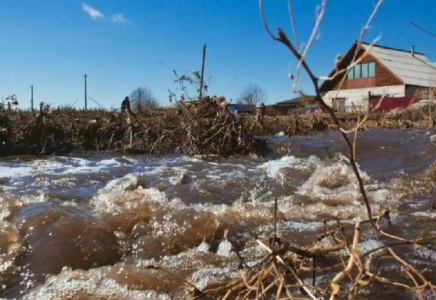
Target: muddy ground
point(202, 128)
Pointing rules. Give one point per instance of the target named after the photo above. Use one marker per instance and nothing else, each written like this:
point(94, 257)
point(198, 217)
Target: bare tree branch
point(282, 38)
point(143, 100)
point(251, 95)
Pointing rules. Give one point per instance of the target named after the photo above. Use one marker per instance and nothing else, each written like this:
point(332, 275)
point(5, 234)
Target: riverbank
point(202, 128)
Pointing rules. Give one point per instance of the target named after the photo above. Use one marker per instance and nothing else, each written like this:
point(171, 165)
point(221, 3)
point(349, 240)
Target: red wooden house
point(397, 75)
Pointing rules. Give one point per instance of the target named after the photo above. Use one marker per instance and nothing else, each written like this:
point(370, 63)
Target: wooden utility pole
point(202, 73)
point(86, 93)
point(31, 98)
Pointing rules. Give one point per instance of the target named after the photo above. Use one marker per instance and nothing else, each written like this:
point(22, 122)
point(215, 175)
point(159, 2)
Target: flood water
point(87, 226)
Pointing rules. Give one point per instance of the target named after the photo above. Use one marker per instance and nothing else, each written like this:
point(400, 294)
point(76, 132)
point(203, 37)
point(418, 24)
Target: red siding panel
point(389, 103)
point(359, 83)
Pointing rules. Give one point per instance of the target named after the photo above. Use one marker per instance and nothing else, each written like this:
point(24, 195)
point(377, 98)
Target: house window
point(357, 69)
point(371, 69)
point(364, 70)
point(350, 74)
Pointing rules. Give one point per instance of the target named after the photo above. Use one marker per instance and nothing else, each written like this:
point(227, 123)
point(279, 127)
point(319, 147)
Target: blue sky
point(121, 45)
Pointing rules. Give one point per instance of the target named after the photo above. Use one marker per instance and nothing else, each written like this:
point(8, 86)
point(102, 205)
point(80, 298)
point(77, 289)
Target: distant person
point(125, 105)
point(262, 110)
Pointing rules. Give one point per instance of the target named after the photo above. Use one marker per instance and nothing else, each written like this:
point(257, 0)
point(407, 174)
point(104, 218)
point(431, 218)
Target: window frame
point(357, 71)
point(361, 71)
point(369, 69)
point(364, 70)
point(350, 74)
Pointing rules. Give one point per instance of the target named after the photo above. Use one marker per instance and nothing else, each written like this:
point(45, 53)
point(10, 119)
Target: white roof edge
point(412, 69)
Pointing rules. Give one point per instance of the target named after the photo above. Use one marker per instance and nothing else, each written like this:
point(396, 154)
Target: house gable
point(383, 76)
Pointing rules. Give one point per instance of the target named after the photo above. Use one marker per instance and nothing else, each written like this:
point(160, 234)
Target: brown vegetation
point(332, 266)
point(200, 127)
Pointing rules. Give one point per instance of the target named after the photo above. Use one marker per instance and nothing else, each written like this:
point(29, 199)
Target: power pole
point(202, 72)
point(86, 93)
point(31, 97)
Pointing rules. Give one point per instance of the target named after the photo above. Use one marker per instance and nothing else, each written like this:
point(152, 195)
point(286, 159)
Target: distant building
point(397, 74)
point(241, 108)
point(294, 106)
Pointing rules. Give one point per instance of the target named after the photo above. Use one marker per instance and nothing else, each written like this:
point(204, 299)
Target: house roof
point(297, 101)
point(412, 68)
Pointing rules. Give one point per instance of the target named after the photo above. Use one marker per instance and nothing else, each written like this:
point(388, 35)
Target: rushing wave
point(90, 227)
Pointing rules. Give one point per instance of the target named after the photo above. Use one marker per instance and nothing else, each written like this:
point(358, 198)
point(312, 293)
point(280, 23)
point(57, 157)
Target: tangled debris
point(334, 266)
point(198, 127)
point(195, 128)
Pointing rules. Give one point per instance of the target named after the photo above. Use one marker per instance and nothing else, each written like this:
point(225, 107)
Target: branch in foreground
point(282, 38)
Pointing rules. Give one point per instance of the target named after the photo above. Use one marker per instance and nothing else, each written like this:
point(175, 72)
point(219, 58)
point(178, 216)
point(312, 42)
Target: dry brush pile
point(334, 266)
point(200, 127)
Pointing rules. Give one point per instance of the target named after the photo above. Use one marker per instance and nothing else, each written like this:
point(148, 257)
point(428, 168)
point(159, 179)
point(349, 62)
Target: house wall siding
point(384, 77)
point(357, 99)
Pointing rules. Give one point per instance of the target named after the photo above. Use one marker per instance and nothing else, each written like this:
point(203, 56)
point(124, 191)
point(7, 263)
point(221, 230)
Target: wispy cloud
point(92, 12)
point(119, 18)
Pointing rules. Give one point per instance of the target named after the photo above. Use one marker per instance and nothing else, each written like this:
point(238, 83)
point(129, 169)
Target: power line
point(423, 29)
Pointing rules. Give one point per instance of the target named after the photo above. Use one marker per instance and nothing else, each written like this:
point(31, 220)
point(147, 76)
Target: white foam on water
point(83, 170)
point(424, 253)
point(62, 287)
point(179, 177)
point(204, 247)
point(59, 166)
point(332, 180)
point(211, 274)
point(128, 182)
point(202, 268)
point(219, 176)
point(273, 167)
point(14, 172)
point(224, 248)
point(8, 202)
point(78, 160)
point(119, 200)
point(109, 162)
point(131, 160)
point(303, 226)
point(429, 215)
point(368, 245)
point(193, 159)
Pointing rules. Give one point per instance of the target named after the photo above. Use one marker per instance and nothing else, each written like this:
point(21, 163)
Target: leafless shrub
point(251, 95)
point(188, 87)
point(143, 100)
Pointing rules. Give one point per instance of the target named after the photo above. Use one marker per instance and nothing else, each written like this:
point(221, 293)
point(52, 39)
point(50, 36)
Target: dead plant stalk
point(282, 38)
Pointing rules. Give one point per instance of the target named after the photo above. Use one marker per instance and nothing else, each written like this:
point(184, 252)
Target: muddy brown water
point(87, 226)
